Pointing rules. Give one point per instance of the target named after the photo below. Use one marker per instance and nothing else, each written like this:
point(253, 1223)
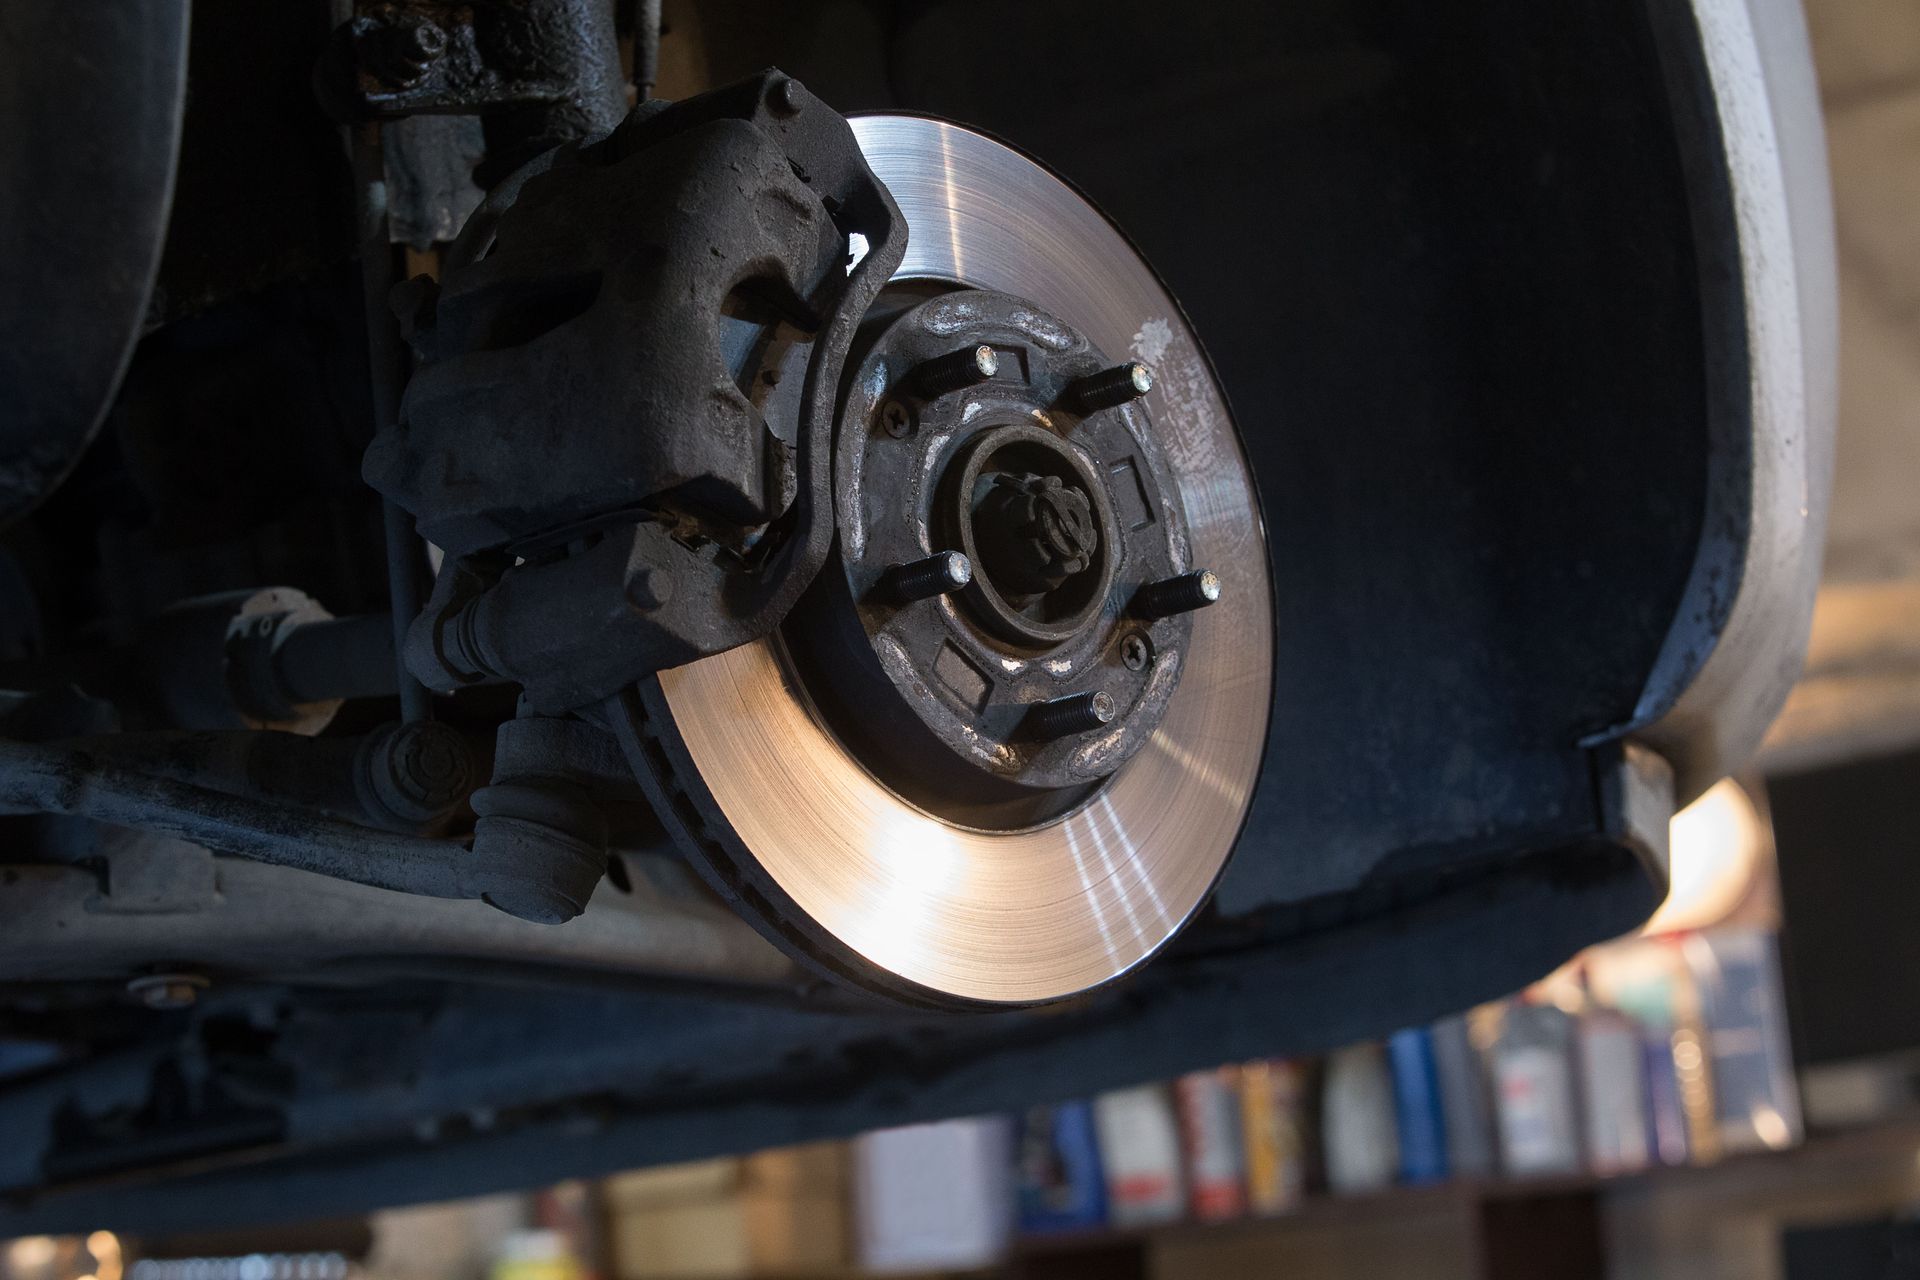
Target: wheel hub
point(977, 425)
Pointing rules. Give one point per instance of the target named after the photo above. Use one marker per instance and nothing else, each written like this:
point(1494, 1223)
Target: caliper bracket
point(620, 426)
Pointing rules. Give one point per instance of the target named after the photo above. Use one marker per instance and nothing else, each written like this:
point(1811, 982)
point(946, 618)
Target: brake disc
point(831, 855)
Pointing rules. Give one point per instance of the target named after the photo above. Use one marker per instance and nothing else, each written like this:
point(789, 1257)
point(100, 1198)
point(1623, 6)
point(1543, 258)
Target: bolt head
point(1135, 653)
point(427, 39)
point(167, 990)
point(895, 420)
point(433, 762)
point(787, 96)
point(429, 760)
point(399, 52)
point(647, 587)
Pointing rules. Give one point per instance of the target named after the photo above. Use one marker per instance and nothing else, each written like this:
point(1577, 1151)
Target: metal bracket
point(620, 429)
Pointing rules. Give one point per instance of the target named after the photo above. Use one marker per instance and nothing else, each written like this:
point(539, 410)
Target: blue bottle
point(1417, 1106)
point(1062, 1187)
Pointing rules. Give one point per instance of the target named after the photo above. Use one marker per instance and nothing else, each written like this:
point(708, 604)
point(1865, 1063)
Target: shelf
point(1507, 1217)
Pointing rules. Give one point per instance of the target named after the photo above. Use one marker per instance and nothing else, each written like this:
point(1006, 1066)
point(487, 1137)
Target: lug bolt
point(1182, 594)
point(1110, 387)
point(956, 370)
point(1134, 652)
point(647, 587)
point(938, 574)
point(1076, 713)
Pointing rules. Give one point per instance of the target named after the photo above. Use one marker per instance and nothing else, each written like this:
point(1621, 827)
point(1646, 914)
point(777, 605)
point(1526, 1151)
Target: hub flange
point(966, 427)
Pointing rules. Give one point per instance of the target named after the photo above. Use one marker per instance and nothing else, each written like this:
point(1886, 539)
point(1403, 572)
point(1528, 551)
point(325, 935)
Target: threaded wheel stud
point(1110, 387)
point(955, 371)
point(938, 574)
point(1181, 594)
point(1077, 713)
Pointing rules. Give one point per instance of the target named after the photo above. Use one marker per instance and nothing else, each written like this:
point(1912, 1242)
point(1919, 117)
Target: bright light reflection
point(1770, 1126)
point(31, 1253)
point(924, 865)
point(1716, 843)
point(104, 1247)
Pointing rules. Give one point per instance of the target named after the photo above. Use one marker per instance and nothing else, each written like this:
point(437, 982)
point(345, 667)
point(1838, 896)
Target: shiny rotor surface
point(1028, 916)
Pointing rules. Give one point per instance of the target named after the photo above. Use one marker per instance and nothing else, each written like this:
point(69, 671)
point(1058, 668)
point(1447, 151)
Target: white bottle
point(934, 1197)
point(1613, 1088)
point(1140, 1154)
point(1357, 1126)
point(1534, 1092)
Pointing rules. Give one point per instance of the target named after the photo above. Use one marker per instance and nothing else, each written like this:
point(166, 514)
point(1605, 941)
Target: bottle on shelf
point(1535, 1093)
point(1360, 1143)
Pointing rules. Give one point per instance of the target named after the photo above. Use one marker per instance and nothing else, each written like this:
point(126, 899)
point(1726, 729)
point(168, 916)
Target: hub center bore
point(1036, 522)
point(1034, 532)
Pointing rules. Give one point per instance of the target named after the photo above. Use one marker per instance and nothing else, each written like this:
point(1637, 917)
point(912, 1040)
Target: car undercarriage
point(571, 599)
